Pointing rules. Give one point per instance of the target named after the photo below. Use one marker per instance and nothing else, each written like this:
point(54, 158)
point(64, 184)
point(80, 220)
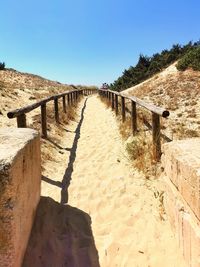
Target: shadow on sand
point(52, 182)
point(69, 170)
point(57, 145)
point(61, 237)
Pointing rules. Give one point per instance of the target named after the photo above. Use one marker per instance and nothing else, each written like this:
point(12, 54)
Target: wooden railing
point(112, 96)
point(157, 112)
point(72, 98)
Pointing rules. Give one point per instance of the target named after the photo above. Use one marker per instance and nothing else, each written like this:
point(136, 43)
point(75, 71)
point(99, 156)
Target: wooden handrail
point(28, 108)
point(72, 97)
point(156, 111)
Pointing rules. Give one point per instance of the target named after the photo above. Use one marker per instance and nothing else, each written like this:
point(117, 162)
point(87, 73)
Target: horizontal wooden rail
point(72, 97)
point(156, 111)
point(28, 108)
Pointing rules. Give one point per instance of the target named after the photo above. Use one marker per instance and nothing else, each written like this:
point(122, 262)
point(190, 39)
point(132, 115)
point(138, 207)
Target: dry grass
point(160, 197)
point(64, 118)
point(191, 113)
point(55, 130)
point(183, 132)
point(139, 147)
point(140, 151)
point(105, 101)
point(125, 128)
point(20, 80)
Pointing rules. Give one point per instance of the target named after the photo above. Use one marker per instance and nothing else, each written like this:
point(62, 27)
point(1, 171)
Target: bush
point(190, 60)
point(2, 66)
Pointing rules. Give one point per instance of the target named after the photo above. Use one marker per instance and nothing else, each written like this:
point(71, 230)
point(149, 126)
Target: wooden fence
point(112, 96)
point(72, 98)
point(157, 112)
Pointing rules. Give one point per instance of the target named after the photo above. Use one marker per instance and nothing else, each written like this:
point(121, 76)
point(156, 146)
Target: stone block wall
point(181, 162)
point(20, 179)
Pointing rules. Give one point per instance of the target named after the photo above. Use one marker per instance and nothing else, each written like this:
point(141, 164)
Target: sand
point(100, 211)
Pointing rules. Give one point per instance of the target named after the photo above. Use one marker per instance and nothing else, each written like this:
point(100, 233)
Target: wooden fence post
point(44, 120)
point(123, 109)
point(133, 117)
point(64, 104)
point(112, 100)
point(116, 105)
point(74, 97)
point(71, 98)
point(56, 110)
point(156, 136)
point(21, 121)
point(68, 100)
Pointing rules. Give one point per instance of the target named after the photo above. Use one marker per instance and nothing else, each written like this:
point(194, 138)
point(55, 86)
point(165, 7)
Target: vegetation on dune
point(146, 66)
point(2, 65)
point(190, 60)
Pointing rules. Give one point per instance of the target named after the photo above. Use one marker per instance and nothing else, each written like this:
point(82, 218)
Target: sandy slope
point(179, 92)
point(94, 175)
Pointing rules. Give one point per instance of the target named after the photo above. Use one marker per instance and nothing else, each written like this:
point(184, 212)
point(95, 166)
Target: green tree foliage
point(2, 65)
point(146, 66)
point(190, 60)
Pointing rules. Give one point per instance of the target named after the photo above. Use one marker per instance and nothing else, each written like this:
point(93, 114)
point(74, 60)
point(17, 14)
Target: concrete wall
point(181, 161)
point(20, 179)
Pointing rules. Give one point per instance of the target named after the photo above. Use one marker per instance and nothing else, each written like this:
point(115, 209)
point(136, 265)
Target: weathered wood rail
point(72, 98)
point(157, 112)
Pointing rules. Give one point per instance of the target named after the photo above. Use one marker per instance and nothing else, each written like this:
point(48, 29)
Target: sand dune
point(128, 226)
point(177, 91)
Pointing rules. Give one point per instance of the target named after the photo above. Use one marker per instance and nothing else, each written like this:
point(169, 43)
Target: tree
point(146, 66)
point(2, 65)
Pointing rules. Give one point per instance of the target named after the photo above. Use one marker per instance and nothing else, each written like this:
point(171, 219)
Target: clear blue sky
point(88, 41)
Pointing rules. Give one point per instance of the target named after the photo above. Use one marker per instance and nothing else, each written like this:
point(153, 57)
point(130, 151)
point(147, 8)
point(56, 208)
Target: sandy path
point(125, 214)
point(122, 204)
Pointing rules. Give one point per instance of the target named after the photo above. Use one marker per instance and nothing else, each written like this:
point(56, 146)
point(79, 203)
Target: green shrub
point(190, 60)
